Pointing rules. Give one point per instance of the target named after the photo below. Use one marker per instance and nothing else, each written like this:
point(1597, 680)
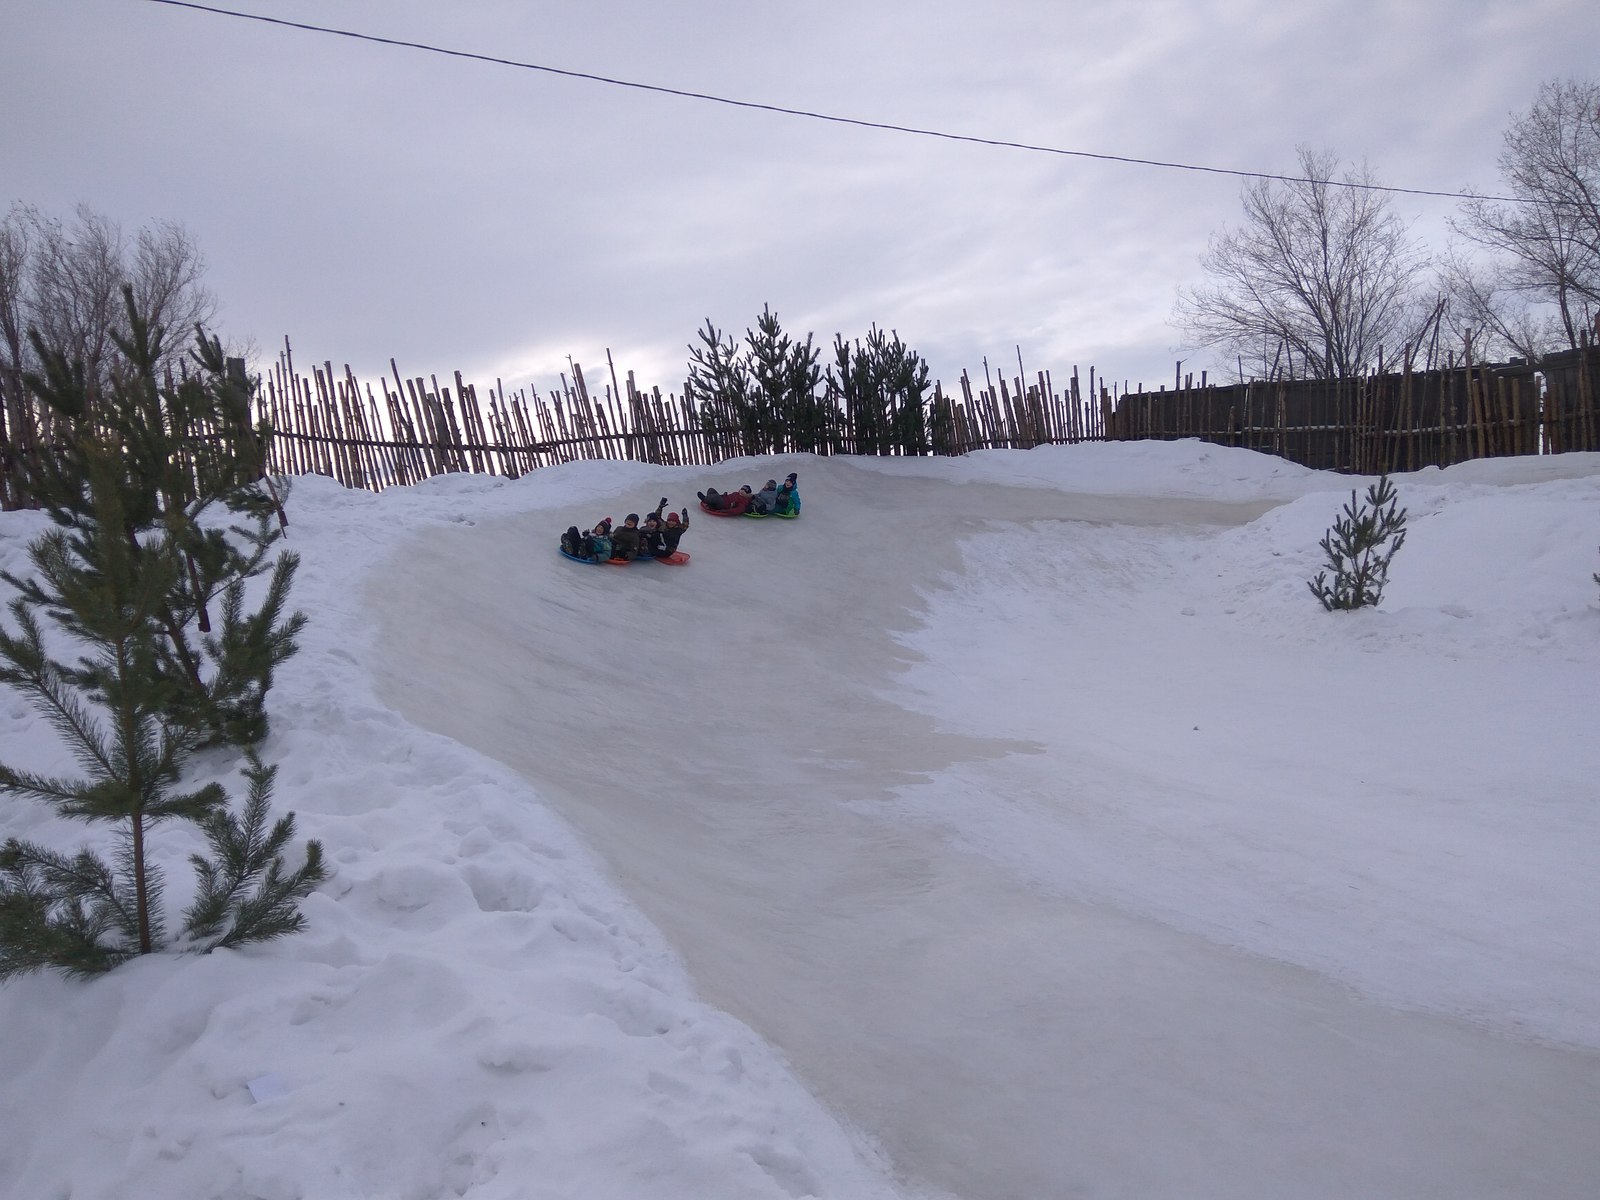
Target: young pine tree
point(785, 375)
point(1359, 548)
point(853, 380)
point(813, 423)
point(125, 579)
point(766, 358)
point(766, 391)
point(904, 379)
point(719, 378)
point(184, 454)
point(883, 386)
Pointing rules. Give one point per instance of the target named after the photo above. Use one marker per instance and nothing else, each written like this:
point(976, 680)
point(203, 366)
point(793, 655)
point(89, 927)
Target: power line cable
point(821, 116)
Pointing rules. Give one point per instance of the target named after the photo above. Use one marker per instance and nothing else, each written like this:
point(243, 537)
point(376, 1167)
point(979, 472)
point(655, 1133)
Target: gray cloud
point(371, 201)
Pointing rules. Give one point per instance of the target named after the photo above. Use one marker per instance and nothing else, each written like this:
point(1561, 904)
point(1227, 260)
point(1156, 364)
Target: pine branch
point(197, 806)
point(25, 665)
point(57, 912)
point(248, 855)
point(67, 795)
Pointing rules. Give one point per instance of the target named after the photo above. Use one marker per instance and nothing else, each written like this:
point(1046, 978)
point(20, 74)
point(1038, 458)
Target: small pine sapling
point(1359, 548)
point(110, 705)
point(124, 576)
point(113, 704)
point(181, 456)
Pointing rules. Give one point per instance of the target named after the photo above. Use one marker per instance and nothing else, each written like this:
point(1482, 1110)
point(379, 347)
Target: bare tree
point(1544, 244)
point(1485, 310)
point(76, 276)
point(1319, 281)
point(14, 254)
point(168, 273)
point(65, 281)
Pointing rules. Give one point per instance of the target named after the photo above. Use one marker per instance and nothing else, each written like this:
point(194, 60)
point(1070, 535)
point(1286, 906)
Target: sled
point(671, 560)
point(721, 512)
point(788, 516)
point(594, 562)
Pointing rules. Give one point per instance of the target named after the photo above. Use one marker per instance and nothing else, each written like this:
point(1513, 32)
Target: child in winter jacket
point(765, 498)
point(672, 531)
point(626, 538)
point(599, 542)
point(788, 500)
point(668, 531)
point(651, 542)
point(728, 502)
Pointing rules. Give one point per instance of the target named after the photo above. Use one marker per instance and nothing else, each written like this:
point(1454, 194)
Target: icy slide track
point(997, 1041)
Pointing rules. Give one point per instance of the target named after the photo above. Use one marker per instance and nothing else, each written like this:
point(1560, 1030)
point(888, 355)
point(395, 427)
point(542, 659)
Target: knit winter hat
point(672, 519)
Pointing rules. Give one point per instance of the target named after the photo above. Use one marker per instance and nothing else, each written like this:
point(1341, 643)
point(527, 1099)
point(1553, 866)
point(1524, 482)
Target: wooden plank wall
point(1382, 423)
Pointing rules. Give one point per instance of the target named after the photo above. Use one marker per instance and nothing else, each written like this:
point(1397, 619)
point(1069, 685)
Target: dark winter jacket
point(652, 541)
point(625, 541)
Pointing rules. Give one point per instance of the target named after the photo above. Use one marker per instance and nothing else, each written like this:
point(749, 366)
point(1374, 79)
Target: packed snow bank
point(913, 788)
point(1401, 798)
point(473, 1010)
point(1133, 710)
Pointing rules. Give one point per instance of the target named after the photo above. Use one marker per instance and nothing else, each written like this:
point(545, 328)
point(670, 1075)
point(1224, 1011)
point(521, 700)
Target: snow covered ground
point(1015, 826)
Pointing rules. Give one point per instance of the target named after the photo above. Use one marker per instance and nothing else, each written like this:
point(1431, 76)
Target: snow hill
point(1014, 826)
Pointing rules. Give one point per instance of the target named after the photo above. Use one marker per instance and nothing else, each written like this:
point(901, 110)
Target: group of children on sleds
point(656, 538)
point(773, 500)
point(659, 535)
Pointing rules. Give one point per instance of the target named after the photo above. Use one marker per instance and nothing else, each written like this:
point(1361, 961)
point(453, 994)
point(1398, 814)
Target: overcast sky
point(373, 201)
